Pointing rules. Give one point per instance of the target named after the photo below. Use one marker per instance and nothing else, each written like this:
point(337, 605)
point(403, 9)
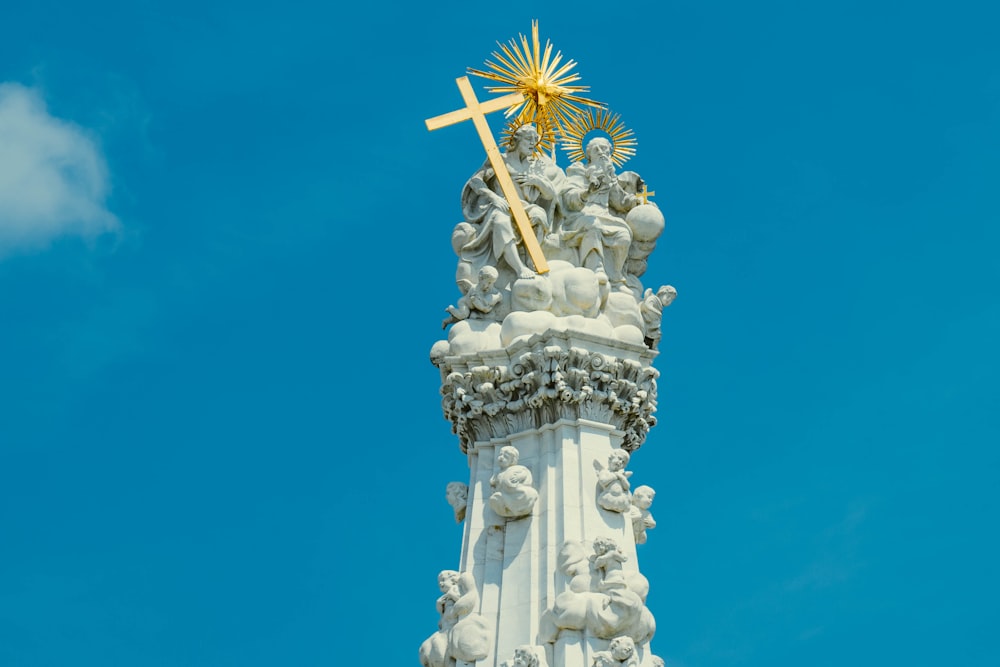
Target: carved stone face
point(622, 648)
point(456, 494)
point(666, 294)
point(507, 457)
point(446, 580)
point(603, 545)
point(643, 497)
point(525, 139)
point(598, 150)
point(487, 279)
point(617, 460)
point(524, 657)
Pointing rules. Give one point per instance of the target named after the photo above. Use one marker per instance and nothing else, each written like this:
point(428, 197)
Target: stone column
point(566, 401)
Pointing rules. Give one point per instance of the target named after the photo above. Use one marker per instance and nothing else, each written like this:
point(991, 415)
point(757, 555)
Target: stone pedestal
point(566, 401)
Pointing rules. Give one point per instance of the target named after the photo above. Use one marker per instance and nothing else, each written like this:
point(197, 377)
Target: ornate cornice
point(547, 378)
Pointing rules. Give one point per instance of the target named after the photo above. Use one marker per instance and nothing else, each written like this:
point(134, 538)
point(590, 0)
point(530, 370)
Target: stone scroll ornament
point(514, 497)
point(462, 633)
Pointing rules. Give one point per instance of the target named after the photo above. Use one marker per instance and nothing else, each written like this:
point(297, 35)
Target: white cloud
point(53, 177)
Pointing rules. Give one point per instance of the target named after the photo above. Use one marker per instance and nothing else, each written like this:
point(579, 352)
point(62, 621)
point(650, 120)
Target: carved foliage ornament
point(544, 385)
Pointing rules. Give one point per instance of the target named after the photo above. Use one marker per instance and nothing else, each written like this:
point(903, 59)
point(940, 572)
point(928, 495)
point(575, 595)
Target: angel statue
point(614, 494)
point(651, 307)
point(477, 299)
point(514, 496)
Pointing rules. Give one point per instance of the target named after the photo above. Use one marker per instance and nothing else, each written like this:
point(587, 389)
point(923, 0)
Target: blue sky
point(224, 257)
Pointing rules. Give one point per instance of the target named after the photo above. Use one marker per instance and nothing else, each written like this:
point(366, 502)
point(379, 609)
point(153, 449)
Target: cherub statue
point(614, 493)
point(651, 307)
point(446, 584)
point(462, 633)
point(457, 494)
point(470, 636)
point(514, 496)
point(477, 300)
point(642, 520)
point(526, 655)
point(607, 559)
point(602, 598)
point(434, 651)
point(621, 653)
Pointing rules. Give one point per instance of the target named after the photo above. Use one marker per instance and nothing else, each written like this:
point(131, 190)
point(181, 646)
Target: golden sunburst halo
point(549, 100)
point(603, 121)
point(546, 133)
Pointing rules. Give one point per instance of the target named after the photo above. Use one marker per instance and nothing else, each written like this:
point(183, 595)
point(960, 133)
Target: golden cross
point(476, 112)
point(644, 194)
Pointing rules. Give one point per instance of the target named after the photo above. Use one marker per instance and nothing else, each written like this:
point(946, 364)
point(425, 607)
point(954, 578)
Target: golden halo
point(600, 120)
point(546, 133)
point(543, 83)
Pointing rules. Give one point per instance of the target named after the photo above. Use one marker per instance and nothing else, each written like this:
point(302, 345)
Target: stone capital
point(547, 378)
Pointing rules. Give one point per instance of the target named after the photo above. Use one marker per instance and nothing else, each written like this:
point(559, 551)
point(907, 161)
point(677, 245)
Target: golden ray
point(602, 120)
point(549, 99)
point(547, 132)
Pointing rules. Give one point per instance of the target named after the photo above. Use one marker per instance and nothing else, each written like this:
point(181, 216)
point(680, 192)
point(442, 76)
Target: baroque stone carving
point(457, 495)
point(602, 599)
point(514, 496)
point(527, 655)
point(478, 298)
point(642, 519)
point(462, 633)
point(597, 204)
point(596, 227)
point(651, 307)
point(621, 653)
point(487, 236)
point(614, 494)
point(488, 397)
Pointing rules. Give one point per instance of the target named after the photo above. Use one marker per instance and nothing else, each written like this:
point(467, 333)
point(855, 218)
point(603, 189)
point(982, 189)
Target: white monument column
point(547, 379)
point(570, 407)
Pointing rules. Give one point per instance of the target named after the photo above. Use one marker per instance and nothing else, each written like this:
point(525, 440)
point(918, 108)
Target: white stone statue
point(488, 236)
point(652, 312)
point(607, 560)
point(527, 655)
point(457, 495)
point(462, 633)
point(642, 519)
point(602, 599)
point(514, 496)
point(434, 650)
point(621, 653)
point(477, 299)
point(596, 206)
point(613, 494)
